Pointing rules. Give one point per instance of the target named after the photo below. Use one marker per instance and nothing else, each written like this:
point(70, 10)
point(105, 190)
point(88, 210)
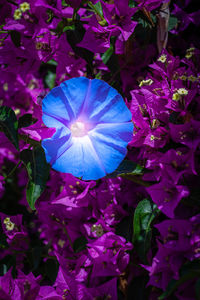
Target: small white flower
point(17, 14)
point(162, 58)
point(182, 91)
point(24, 6)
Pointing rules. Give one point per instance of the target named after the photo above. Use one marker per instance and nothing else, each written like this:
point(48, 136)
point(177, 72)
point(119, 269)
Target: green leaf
point(6, 263)
point(3, 241)
point(138, 288)
point(107, 55)
point(125, 227)
point(38, 173)
point(197, 289)
point(15, 37)
point(173, 21)
point(173, 117)
point(50, 15)
point(69, 27)
point(50, 79)
point(9, 124)
point(60, 26)
point(97, 8)
point(127, 167)
point(74, 37)
point(132, 3)
point(26, 120)
point(52, 62)
point(145, 213)
point(112, 62)
point(51, 269)
point(188, 271)
point(80, 244)
point(36, 256)
point(145, 31)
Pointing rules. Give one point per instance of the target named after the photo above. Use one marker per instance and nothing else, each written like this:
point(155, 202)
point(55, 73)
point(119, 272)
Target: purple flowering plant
point(99, 152)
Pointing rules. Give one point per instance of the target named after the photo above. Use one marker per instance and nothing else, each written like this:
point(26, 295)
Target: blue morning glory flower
point(93, 127)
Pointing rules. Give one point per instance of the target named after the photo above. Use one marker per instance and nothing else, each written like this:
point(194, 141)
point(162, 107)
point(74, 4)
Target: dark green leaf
point(69, 27)
point(173, 117)
point(15, 37)
point(80, 244)
point(127, 167)
point(173, 21)
point(64, 3)
point(97, 8)
point(125, 227)
point(6, 263)
point(50, 79)
point(60, 26)
point(197, 289)
point(50, 15)
point(9, 124)
point(26, 120)
point(74, 37)
point(51, 269)
point(112, 62)
point(132, 3)
point(144, 22)
point(3, 241)
point(188, 271)
point(38, 172)
point(145, 31)
point(52, 62)
point(170, 289)
point(36, 254)
point(144, 215)
point(137, 289)
point(107, 55)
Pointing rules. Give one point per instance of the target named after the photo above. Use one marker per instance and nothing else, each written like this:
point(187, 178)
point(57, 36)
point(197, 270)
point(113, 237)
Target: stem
point(68, 237)
point(117, 72)
point(75, 13)
point(137, 180)
point(162, 27)
point(13, 170)
point(28, 140)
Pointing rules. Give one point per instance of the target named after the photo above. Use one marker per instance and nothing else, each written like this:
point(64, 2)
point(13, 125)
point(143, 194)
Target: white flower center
point(78, 129)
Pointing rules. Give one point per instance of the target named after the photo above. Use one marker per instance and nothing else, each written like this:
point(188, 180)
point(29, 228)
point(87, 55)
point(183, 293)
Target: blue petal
point(55, 146)
point(110, 141)
point(76, 91)
point(104, 104)
point(79, 159)
point(56, 110)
